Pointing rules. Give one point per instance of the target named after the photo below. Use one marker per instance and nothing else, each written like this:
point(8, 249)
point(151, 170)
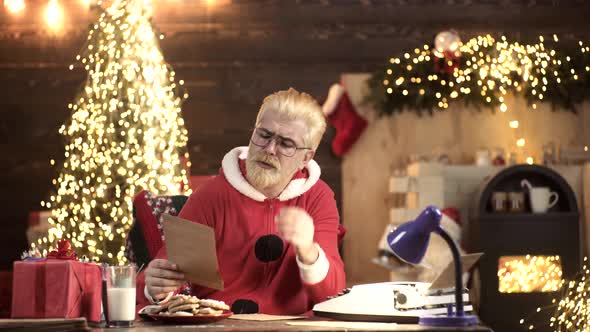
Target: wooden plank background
point(230, 56)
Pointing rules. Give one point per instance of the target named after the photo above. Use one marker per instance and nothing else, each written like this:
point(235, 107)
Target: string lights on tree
point(126, 133)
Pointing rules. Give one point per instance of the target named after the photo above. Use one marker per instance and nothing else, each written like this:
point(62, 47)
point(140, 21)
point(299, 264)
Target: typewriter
point(399, 302)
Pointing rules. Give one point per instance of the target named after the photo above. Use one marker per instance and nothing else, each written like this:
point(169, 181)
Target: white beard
point(262, 178)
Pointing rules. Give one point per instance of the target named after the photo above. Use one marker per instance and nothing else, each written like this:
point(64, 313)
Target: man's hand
point(162, 277)
point(296, 227)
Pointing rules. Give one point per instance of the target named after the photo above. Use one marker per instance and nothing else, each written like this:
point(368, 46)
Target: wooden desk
point(233, 325)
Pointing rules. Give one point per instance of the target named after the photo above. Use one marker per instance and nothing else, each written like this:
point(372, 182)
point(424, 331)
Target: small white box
point(429, 184)
point(426, 169)
point(441, 185)
point(398, 184)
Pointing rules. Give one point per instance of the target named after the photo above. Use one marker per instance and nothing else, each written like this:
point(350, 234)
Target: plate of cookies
point(186, 309)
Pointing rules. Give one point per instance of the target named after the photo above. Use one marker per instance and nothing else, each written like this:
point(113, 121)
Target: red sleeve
point(140, 280)
point(198, 208)
point(326, 219)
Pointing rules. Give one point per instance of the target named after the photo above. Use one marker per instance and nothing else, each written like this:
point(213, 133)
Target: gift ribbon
point(39, 294)
point(64, 251)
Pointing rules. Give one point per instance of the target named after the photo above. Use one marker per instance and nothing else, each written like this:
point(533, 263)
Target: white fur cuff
point(316, 272)
point(151, 299)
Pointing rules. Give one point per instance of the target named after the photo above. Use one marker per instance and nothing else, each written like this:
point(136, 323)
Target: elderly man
point(275, 221)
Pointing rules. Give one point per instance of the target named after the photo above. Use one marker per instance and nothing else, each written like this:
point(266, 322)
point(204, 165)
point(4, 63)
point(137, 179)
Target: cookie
point(158, 309)
point(182, 296)
point(181, 313)
point(170, 303)
point(182, 300)
point(208, 311)
point(184, 307)
point(219, 305)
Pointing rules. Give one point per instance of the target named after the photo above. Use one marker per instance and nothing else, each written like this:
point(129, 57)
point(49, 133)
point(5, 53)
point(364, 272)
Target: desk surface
point(234, 325)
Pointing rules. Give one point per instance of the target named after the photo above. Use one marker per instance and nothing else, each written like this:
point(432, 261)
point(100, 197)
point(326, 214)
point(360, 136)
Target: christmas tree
point(126, 134)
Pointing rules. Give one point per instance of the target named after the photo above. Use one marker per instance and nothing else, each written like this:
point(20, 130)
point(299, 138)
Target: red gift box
point(56, 288)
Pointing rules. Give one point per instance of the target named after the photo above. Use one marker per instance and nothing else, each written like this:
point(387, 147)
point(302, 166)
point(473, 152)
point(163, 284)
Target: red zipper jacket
point(260, 270)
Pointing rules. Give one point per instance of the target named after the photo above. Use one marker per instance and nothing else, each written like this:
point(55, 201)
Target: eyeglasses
point(285, 146)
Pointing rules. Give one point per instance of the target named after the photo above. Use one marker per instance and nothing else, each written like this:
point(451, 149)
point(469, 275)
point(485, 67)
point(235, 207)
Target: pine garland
point(484, 72)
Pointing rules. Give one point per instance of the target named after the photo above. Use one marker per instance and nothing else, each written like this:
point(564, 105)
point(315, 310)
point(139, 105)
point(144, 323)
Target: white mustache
point(269, 160)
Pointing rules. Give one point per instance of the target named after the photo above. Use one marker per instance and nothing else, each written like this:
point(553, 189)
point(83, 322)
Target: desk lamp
point(409, 242)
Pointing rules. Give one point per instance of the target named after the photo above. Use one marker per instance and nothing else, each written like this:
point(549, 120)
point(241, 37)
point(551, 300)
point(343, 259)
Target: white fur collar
point(336, 91)
point(233, 174)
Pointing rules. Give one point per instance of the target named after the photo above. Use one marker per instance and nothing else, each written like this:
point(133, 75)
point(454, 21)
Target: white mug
point(542, 199)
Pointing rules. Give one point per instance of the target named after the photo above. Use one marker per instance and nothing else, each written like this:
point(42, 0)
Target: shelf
point(549, 216)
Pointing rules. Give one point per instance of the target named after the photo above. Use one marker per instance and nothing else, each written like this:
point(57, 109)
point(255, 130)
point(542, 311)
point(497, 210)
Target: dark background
point(230, 55)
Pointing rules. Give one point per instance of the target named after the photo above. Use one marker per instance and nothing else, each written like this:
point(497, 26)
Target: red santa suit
point(260, 271)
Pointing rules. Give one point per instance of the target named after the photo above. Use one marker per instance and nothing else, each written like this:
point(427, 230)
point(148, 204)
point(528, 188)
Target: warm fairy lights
point(571, 311)
point(482, 73)
point(526, 274)
point(126, 134)
point(494, 67)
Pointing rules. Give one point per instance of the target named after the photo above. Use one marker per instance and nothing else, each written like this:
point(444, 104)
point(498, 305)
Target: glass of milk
point(121, 294)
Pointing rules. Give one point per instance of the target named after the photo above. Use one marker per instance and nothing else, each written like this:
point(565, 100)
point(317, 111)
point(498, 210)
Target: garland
point(480, 73)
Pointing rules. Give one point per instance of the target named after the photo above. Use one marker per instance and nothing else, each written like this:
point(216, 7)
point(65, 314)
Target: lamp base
point(465, 320)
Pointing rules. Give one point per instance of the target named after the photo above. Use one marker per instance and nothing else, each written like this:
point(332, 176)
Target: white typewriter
point(400, 302)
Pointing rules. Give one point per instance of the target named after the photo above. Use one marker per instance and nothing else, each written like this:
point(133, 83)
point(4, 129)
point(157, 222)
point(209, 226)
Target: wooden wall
point(230, 56)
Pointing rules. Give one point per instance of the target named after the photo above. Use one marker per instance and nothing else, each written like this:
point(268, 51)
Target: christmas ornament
point(447, 42)
point(447, 54)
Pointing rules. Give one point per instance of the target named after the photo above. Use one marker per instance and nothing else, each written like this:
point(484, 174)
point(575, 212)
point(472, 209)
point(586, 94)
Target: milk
point(121, 302)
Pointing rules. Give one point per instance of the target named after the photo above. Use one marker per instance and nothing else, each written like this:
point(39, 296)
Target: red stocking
point(342, 115)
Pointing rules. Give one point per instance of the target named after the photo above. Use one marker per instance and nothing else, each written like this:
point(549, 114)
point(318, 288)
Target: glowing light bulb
point(15, 6)
point(54, 15)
